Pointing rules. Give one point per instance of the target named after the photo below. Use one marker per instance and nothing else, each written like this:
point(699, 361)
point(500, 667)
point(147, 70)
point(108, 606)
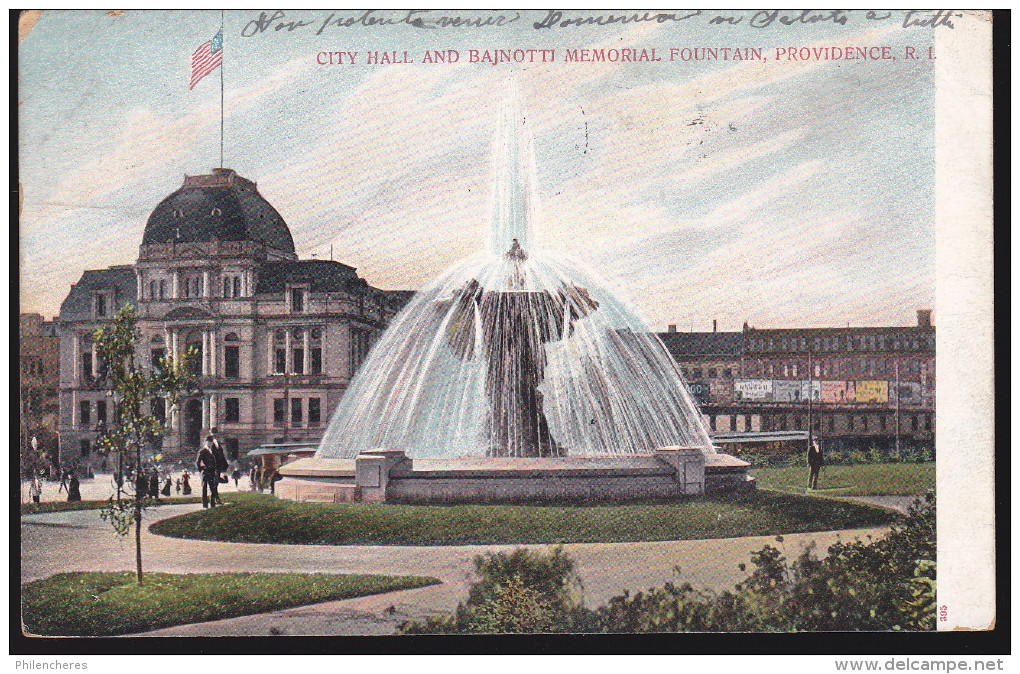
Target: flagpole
point(222, 12)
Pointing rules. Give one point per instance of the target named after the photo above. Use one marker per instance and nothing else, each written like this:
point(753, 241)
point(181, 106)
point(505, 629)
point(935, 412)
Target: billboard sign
point(700, 390)
point(838, 392)
point(872, 391)
point(752, 389)
point(908, 392)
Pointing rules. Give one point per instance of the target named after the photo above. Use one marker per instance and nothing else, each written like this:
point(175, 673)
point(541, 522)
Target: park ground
point(78, 541)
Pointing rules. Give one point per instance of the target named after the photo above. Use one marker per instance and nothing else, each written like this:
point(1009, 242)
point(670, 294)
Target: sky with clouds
point(778, 193)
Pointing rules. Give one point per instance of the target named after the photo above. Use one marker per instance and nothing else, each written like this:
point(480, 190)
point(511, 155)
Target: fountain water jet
point(514, 353)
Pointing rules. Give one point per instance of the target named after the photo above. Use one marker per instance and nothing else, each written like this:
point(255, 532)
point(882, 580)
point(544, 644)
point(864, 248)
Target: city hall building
point(278, 338)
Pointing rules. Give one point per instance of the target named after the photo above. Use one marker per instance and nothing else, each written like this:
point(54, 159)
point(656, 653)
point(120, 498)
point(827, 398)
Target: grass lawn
point(267, 520)
point(869, 479)
point(108, 604)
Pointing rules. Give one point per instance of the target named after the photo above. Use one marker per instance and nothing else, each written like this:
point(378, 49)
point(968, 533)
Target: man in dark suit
point(815, 461)
point(221, 462)
point(206, 462)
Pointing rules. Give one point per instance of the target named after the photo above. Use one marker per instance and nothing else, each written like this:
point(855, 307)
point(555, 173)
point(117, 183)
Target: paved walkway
point(101, 487)
point(80, 541)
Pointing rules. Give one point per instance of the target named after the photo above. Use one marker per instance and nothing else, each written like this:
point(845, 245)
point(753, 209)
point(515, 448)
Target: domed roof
point(223, 206)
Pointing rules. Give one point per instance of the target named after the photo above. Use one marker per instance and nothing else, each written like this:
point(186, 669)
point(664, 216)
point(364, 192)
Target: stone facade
point(278, 338)
point(39, 355)
point(864, 380)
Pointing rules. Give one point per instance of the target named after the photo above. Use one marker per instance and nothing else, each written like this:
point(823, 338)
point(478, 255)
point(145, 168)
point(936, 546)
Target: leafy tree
point(134, 387)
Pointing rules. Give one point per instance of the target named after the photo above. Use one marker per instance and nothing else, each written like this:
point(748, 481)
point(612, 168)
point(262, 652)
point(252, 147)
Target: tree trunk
point(138, 539)
point(138, 509)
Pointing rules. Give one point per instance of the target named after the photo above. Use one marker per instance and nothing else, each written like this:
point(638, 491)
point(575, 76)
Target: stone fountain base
point(390, 476)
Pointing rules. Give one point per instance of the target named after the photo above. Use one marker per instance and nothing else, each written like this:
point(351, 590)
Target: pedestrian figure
point(141, 485)
point(154, 484)
point(221, 462)
point(273, 479)
point(73, 490)
point(63, 482)
point(177, 485)
point(186, 483)
point(206, 462)
point(166, 486)
point(35, 489)
point(815, 461)
point(236, 475)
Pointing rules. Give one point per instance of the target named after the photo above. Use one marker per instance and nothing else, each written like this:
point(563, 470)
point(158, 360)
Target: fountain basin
point(390, 476)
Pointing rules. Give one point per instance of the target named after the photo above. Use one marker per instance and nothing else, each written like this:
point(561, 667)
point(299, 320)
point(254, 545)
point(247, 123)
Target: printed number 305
point(943, 613)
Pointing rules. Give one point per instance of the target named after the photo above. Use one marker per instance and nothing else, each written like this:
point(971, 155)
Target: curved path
point(80, 541)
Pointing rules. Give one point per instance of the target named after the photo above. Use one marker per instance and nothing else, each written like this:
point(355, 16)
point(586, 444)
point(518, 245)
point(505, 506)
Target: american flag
point(207, 58)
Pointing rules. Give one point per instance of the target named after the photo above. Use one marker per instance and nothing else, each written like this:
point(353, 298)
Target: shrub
point(887, 584)
point(517, 592)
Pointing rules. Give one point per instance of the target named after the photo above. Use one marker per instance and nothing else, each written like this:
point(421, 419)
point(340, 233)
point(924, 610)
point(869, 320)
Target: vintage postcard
point(356, 323)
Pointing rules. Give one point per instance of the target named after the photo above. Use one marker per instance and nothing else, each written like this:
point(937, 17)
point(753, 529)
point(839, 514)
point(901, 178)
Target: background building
point(868, 386)
point(39, 353)
point(278, 338)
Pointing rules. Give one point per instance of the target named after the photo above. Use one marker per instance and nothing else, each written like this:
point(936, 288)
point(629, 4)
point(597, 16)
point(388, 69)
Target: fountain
point(516, 374)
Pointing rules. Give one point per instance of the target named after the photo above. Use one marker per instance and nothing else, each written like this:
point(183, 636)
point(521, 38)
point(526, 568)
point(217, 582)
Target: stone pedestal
point(372, 472)
point(689, 464)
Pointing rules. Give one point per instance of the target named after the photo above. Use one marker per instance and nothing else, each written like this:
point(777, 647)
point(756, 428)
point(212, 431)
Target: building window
point(299, 360)
point(152, 290)
point(232, 410)
point(316, 360)
point(279, 411)
point(193, 342)
point(232, 361)
point(84, 413)
point(913, 423)
point(360, 345)
point(100, 306)
point(832, 423)
point(296, 415)
point(158, 408)
point(927, 422)
point(156, 357)
point(733, 422)
point(314, 411)
point(86, 361)
point(237, 286)
point(100, 414)
point(86, 448)
point(297, 300)
point(226, 287)
point(280, 366)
